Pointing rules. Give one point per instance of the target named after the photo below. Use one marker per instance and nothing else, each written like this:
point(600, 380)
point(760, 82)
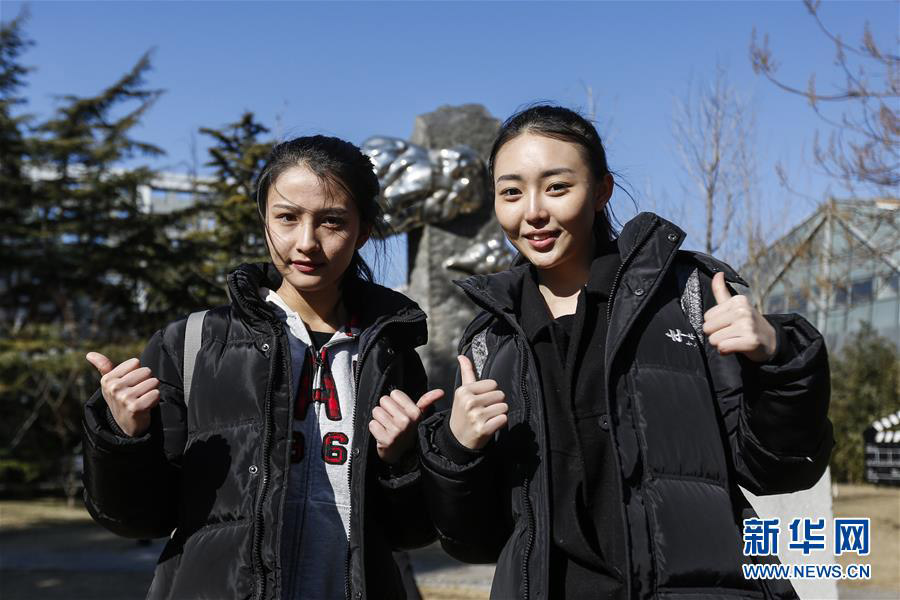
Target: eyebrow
point(544, 174)
point(331, 210)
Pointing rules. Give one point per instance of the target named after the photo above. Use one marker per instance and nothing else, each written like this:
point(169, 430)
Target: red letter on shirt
point(334, 449)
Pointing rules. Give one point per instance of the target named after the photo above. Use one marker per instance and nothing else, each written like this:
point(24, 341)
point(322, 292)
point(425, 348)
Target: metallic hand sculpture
point(420, 186)
point(482, 258)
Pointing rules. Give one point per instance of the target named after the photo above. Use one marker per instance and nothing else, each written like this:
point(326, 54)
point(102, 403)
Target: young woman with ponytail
point(613, 394)
point(290, 471)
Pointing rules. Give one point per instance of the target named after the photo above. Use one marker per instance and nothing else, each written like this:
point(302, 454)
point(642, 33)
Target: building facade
point(838, 268)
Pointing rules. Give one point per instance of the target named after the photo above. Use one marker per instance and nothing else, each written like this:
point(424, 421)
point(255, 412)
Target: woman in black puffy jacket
point(613, 394)
point(289, 470)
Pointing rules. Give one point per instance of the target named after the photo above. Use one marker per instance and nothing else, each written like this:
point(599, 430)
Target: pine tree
point(96, 270)
point(14, 183)
point(233, 234)
point(14, 195)
point(95, 231)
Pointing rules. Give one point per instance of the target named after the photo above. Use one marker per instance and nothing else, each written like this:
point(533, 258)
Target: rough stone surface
point(469, 124)
point(448, 309)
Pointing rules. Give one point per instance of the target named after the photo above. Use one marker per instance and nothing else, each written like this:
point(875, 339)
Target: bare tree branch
point(711, 127)
point(862, 149)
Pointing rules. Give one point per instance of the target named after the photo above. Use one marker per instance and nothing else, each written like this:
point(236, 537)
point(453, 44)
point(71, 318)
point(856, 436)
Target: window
point(841, 296)
point(861, 292)
point(892, 282)
point(884, 314)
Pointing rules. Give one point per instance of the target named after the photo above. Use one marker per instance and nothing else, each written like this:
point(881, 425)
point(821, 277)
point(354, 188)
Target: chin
point(542, 261)
point(309, 283)
point(546, 265)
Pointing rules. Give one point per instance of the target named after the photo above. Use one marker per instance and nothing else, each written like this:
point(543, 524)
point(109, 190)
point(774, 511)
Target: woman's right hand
point(130, 392)
point(478, 409)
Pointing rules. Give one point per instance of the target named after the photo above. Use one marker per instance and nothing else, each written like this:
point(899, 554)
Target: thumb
point(100, 362)
point(720, 290)
point(429, 398)
point(466, 370)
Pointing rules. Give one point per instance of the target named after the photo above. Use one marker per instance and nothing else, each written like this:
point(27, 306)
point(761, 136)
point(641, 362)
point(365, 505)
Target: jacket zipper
point(485, 302)
point(608, 368)
point(259, 520)
point(348, 591)
point(526, 483)
point(615, 284)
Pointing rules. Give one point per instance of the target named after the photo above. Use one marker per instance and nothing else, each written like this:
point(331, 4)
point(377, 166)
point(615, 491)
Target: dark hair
point(567, 125)
point(340, 166)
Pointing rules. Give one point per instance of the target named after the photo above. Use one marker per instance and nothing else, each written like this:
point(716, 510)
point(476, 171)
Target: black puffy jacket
point(688, 427)
point(212, 476)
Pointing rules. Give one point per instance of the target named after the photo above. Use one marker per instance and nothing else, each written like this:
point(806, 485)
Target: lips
point(542, 240)
point(305, 266)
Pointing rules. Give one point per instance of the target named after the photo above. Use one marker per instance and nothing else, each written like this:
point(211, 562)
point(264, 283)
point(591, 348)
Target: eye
point(510, 193)
point(558, 187)
point(333, 222)
point(286, 218)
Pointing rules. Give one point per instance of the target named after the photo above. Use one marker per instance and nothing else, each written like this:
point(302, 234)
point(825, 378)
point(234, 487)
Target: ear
point(604, 192)
point(365, 231)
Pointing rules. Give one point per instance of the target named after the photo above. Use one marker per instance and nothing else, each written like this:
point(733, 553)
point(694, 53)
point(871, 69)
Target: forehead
point(301, 187)
point(530, 152)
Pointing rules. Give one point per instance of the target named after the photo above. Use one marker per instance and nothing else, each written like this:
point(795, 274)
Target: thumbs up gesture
point(130, 392)
point(734, 325)
point(478, 409)
point(394, 423)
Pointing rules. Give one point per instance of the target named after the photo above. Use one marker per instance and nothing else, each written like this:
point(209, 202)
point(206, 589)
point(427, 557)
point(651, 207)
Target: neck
point(320, 310)
point(567, 278)
point(561, 285)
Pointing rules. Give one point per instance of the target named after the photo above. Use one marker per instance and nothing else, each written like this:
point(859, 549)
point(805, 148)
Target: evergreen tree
point(14, 183)
point(14, 207)
point(94, 230)
point(233, 230)
point(865, 385)
point(95, 269)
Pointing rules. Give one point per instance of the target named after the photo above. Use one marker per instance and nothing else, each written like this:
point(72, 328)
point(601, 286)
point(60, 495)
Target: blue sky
point(360, 69)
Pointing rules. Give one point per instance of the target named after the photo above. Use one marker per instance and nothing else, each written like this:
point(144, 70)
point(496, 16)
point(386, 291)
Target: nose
point(535, 213)
point(307, 242)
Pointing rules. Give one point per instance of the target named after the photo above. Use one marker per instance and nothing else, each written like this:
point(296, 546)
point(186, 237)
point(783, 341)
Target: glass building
point(838, 268)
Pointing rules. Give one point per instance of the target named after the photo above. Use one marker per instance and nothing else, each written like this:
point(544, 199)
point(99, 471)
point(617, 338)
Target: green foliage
point(14, 471)
point(865, 385)
point(91, 244)
point(44, 381)
point(85, 266)
point(235, 233)
point(14, 185)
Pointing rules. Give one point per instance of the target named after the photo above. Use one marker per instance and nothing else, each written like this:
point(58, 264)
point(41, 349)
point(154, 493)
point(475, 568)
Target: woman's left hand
point(395, 420)
point(734, 325)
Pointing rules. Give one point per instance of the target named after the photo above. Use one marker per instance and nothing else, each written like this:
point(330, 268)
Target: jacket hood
point(372, 303)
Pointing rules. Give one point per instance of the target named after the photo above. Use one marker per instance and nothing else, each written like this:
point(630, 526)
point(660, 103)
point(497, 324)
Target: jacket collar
point(373, 304)
point(531, 308)
point(499, 292)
